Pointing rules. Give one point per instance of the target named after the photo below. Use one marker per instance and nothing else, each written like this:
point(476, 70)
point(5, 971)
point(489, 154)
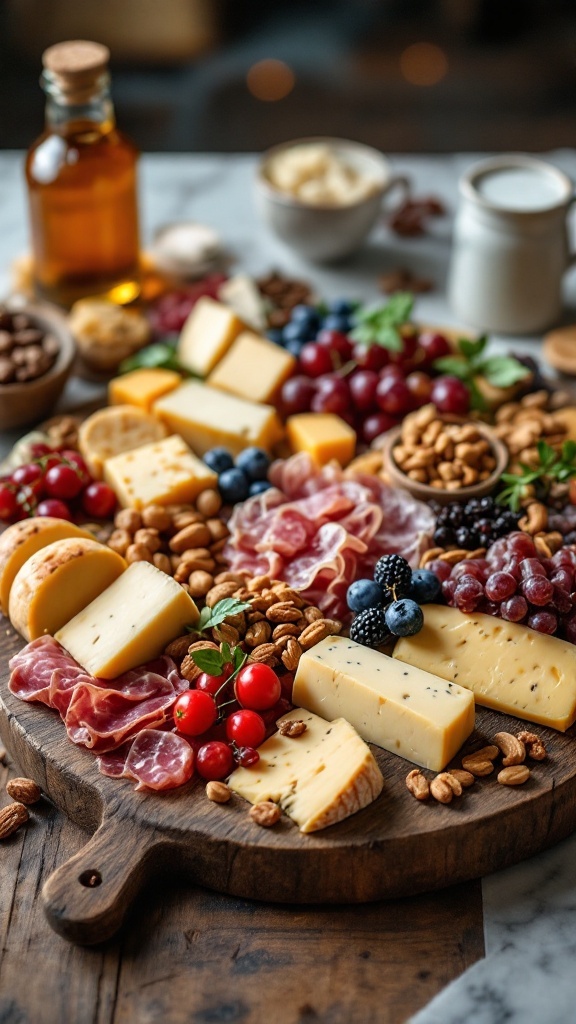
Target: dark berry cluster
point(389, 604)
point(476, 524)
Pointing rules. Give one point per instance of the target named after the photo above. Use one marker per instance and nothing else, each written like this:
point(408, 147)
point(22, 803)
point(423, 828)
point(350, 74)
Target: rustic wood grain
point(395, 847)
point(185, 955)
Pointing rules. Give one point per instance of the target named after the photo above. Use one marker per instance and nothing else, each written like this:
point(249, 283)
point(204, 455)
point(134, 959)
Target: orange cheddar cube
point(142, 387)
point(323, 435)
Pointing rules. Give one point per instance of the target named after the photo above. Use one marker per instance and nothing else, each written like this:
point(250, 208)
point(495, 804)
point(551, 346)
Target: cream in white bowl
point(322, 196)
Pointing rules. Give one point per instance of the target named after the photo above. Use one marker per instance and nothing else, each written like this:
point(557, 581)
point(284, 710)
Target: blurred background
point(241, 75)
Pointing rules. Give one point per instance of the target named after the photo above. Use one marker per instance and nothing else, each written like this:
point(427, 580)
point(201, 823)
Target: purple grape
point(570, 629)
point(521, 544)
point(468, 567)
point(498, 552)
point(514, 609)
point(448, 588)
point(488, 607)
point(565, 557)
point(440, 569)
point(538, 590)
point(531, 567)
point(499, 586)
point(561, 600)
point(469, 591)
point(513, 568)
point(563, 577)
point(543, 622)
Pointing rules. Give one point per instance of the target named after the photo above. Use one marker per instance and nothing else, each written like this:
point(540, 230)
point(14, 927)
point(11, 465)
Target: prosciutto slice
point(319, 530)
point(159, 760)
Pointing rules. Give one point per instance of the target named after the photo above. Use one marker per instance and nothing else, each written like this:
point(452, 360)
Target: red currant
point(214, 760)
point(195, 712)
point(98, 500)
point(246, 728)
point(257, 687)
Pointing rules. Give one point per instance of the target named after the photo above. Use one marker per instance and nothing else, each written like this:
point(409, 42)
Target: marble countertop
point(529, 910)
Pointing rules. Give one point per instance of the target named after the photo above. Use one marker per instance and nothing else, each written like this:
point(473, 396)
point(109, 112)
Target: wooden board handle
point(86, 898)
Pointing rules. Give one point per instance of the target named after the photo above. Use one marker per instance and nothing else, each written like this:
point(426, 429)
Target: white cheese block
point(403, 709)
point(507, 666)
point(206, 335)
point(318, 778)
point(242, 295)
point(162, 473)
point(117, 429)
point(129, 623)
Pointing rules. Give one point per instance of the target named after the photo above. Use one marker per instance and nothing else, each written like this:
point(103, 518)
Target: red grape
point(531, 567)
point(420, 385)
point(406, 355)
point(98, 500)
point(448, 589)
point(336, 342)
point(440, 569)
point(563, 577)
point(297, 394)
point(538, 590)
point(333, 395)
point(543, 622)
point(499, 586)
point(520, 545)
point(468, 593)
point(363, 384)
point(315, 360)
point(394, 397)
point(375, 424)
point(246, 756)
point(561, 600)
point(78, 463)
point(8, 503)
point(31, 474)
point(391, 372)
point(433, 345)
point(450, 395)
point(370, 357)
point(54, 507)
point(63, 482)
point(214, 760)
point(514, 609)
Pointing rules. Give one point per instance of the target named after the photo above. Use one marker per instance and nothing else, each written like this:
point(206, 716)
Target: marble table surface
point(529, 910)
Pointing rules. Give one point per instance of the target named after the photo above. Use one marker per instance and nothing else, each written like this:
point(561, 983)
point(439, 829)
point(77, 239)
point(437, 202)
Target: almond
point(514, 775)
point(220, 592)
point(196, 535)
point(418, 784)
point(11, 817)
point(26, 791)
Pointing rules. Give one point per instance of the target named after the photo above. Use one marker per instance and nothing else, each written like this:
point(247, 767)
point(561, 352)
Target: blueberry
point(295, 331)
point(219, 459)
point(234, 486)
point(341, 306)
point(294, 347)
point(364, 594)
point(275, 335)
point(254, 462)
point(425, 586)
point(404, 617)
point(305, 315)
point(336, 322)
point(444, 536)
point(258, 487)
point(463, 537)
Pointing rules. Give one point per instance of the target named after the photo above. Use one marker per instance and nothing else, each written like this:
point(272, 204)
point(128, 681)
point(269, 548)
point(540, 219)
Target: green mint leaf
point(470, 348)
point(568, 451)
point(502, 371)
point(454, 365)
point(239, 658)
point(226, 652)
point(222, 609)
point(363, 334)
point(209, 661)
point(546, 454)
point(378, 325)
point(388, 337)
point(158, 355)
point(477, 400)
point(399, 308)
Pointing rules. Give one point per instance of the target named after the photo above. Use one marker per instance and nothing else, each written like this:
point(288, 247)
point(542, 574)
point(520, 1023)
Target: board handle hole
point(90, 879)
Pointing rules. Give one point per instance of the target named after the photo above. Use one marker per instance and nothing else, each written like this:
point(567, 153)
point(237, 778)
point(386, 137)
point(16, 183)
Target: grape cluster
point(515, 583)
point(369, 386)
point(56, 482)
point(476, 524)
point(389, 604)
point(564, 521)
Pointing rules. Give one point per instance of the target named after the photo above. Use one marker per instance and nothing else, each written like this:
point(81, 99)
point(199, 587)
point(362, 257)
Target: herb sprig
point(553, 465)
point(380, 325)
point(160, 354)
point(211, 617)
point(471, 361)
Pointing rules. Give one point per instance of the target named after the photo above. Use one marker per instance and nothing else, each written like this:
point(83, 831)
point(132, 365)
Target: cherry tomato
point(8, 503)
point(257, 687)
point(211, 684)
point(214, 760)
point(246, 728)
point(98, 500)
point(55, 508)
point(194, 712)
point(63, 482)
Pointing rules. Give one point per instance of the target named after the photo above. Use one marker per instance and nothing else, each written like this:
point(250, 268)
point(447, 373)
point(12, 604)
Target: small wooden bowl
point(33, 400)
point(424, 492)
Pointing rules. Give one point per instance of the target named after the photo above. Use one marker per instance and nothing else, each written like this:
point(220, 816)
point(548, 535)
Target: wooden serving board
point(395, 847)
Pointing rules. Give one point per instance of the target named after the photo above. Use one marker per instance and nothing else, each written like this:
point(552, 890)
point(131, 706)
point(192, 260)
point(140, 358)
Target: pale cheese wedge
point(507, 666)
point(207, 335)
point(318, 778)
point(129, 623)
point(162, 473)
point(21, 540)
point(57, 581)
point(117, 429)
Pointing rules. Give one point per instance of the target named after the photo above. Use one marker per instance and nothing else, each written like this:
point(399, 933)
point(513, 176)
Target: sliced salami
point(159, 760)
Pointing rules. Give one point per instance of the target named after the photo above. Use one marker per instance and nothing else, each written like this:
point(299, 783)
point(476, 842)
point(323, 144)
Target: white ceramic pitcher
point(510, 246)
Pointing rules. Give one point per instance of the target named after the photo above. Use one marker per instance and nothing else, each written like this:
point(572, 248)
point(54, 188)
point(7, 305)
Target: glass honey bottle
point(81, 177)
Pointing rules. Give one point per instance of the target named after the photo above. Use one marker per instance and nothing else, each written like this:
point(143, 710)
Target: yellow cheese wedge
point(318, 778)
point(323, 435)
point(21, 540)
point(129, 623)
point(405, 710)
point(253, 368)
point(206, 335)
point(114, 430)
point(142, 387)
point(507, 666)
point(158, 474)
point(206, 417)
point(59, 580)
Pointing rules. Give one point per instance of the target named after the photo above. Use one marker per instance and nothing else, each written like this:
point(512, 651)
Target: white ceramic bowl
point(325, 233)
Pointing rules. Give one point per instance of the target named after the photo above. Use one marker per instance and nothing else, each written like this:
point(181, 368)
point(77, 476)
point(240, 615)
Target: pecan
point(418, 784)
point(512, 748)
point(317, 631)
point(11, 817)
point(252, 617)
point(178, 648)
point(283, 611)
point(514, 775)
point(464, 778)
point(534, 746)
point(258, 633)
point(226, 634)
point(258, 583)
point(286, 593)
point(441, 788)
point(292, 728)
point(265, 652)
point(26, 791)
point(189, 669)
point(262, 602)
point(265, 813)
point(285, 629)
point(229, 577)
point(220, 592)
point(312, 614)
point(219, 792)
point(291, 654)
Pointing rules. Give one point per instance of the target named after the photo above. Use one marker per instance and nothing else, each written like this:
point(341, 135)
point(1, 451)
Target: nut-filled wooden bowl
point(24, 402)
point(443, 495)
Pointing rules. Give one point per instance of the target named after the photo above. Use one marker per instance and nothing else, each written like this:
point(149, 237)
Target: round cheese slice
point(58, 581)
point(21, 540)
point(114, 430)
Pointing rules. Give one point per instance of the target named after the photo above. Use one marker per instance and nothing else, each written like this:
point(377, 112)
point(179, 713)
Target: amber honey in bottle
point(81, 176)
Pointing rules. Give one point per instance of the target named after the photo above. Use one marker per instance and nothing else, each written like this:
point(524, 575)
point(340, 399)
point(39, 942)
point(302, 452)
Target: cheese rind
point(142, 387)
point(58, 581)
point(129, 623)
point(318, 778)
point(253, 368)
point(405, 710)
point(206, 335)
point(324, 436)
point(158, 474)
point(114, 430)
point(206, 417)
point(507, 666)
point(22, 540)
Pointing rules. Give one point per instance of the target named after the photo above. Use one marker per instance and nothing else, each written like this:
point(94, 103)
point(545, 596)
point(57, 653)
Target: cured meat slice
point(113, 762)
point(32, 668)
point(159, 760)
point(101, 718)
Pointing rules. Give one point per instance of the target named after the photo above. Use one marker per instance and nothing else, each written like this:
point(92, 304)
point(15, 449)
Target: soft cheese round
point(58, 581)
point(21, 540)
point(114, 430)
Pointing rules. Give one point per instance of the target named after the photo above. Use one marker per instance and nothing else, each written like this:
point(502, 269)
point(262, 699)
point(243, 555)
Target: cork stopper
point(76, 67)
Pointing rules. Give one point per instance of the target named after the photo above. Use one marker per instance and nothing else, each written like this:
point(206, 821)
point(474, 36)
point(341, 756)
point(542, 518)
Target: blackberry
point(393, 574)
point(444, 536)
point(369, 628)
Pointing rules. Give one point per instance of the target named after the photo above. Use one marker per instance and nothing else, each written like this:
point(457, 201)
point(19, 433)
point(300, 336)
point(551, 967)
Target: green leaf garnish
point(471, 362)
point(552, 465)
point(161, 354)
point(379, 325)
point(209, 661)
point(211, 617)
